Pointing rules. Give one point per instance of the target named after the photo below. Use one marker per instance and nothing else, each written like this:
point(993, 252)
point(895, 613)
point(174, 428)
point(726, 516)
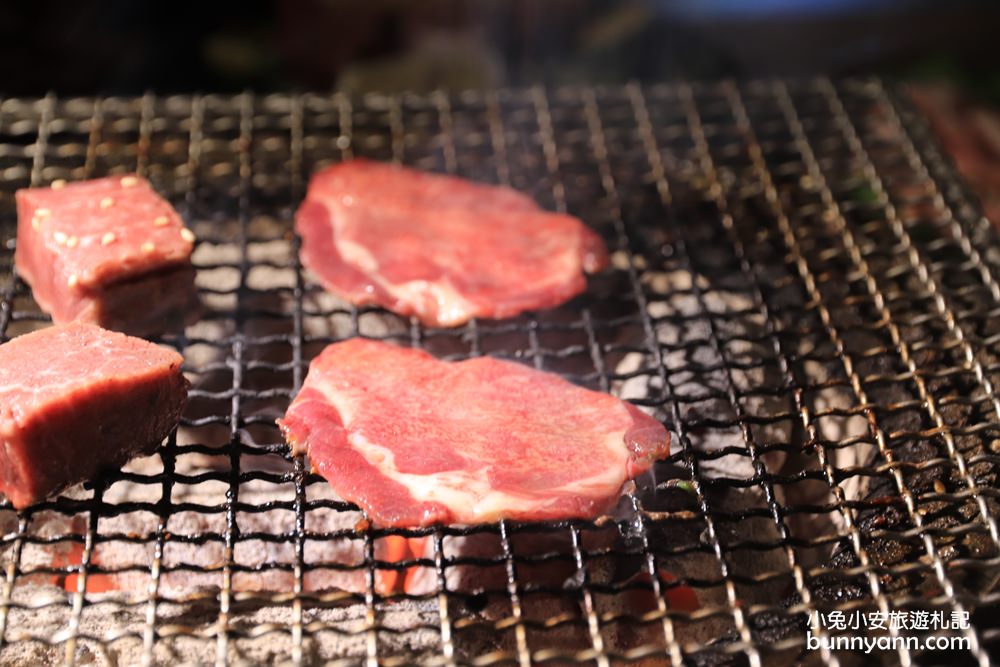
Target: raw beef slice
point(76, 399)
point(109, 251)
point(416, 441)
point(438, 247)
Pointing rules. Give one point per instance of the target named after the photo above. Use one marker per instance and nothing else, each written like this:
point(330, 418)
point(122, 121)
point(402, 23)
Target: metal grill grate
point(801, 289)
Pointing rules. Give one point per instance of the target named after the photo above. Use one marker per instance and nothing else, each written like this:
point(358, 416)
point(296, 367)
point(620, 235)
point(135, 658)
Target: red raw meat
point(75, 399)
point(416, 441)
point(439, 247)
point(108, 251)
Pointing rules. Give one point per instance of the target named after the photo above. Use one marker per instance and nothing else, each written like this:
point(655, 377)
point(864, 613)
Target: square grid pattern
point(800, 289)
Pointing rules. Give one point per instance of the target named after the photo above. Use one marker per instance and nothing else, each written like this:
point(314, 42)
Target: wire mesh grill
point(801, 289)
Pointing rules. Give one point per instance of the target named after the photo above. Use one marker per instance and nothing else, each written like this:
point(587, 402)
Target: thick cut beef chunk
point(108, 251)
point(438, 247)
point(76, 399)
point(416, 441)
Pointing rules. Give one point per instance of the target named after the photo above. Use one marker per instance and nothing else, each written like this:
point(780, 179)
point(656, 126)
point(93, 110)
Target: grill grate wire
point(838, 276)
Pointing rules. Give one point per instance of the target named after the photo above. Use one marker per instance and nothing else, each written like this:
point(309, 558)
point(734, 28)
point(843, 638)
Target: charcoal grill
point(802, 289)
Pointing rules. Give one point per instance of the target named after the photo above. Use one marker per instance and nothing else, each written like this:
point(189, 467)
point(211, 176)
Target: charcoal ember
point(691, 576)
point(41, 612)
point(120, 578)
point(613, 564)
point(724, 464)
point(477, 562)
point(52, 541)
point(700, 381)
point(192, 565)
point(883, 508)
point(831, 587)
point(698, 377)
point(126, 542)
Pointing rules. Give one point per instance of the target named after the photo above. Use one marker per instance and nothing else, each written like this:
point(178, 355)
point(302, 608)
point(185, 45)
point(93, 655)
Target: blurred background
point(945, 49)
point(128, 46)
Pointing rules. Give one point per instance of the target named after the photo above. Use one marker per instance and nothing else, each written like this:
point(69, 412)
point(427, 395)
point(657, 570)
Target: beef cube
point(109, 251)
point(76, 399)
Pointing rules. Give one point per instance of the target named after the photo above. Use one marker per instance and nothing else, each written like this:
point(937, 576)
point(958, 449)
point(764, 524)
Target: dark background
point(130, 46)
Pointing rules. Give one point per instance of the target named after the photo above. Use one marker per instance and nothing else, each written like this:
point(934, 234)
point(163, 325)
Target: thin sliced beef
point(109, 251)
point(416, 441)
point(370, 183)
point(440, 248)
point(76, 399)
